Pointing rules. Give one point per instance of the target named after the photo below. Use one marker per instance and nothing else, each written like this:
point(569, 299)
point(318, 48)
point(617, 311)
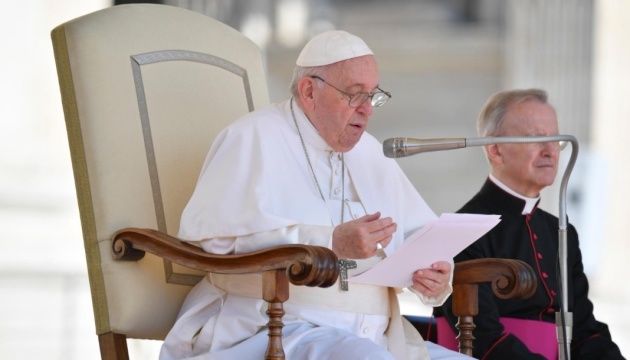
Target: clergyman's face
point(340, 125)
point(528, 168)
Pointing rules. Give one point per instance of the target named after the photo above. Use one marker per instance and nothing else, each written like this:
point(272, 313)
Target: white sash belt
point(404, 342)
point(360, 298)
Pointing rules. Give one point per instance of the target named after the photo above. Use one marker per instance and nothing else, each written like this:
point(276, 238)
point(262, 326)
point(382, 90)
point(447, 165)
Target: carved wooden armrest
point(509, 279)
point(299, 264)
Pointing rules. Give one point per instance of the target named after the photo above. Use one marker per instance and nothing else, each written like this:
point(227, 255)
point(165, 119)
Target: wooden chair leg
point(465, 306)
point(275, 292)
point(465, 325)
point(113, 346)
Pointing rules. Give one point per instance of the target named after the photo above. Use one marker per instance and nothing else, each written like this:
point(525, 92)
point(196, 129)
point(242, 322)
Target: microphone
point(402, 146)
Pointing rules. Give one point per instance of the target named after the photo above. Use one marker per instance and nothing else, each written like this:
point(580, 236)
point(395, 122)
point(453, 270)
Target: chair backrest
point(145, 90)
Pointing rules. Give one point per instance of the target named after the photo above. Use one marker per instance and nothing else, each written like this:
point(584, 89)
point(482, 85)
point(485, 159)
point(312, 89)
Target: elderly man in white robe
point(305, 171)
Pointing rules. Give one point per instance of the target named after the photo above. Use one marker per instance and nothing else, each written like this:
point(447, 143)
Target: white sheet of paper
point(440, 239)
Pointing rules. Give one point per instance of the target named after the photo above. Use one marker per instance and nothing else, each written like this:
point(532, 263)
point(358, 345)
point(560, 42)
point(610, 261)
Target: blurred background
point(440, 59)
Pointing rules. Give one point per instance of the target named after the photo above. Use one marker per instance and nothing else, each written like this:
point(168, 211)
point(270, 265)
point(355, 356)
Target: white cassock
point(256, 190)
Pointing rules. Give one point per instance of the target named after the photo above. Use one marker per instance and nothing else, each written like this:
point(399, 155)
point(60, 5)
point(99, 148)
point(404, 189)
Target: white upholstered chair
point(145, 89)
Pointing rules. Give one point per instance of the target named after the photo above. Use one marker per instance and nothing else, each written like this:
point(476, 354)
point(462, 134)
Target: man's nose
point(550, 148)
point(366, 108)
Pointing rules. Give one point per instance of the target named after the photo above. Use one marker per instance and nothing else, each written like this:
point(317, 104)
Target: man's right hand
point(359, 239)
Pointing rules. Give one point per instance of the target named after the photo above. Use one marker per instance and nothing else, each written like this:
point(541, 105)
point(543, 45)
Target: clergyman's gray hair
point(300, 72)
point(493, 112)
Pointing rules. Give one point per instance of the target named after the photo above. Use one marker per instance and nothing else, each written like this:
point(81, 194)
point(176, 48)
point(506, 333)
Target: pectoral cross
point(344, 265)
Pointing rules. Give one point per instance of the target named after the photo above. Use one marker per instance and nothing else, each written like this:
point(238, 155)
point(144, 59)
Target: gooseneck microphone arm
point(402, 147)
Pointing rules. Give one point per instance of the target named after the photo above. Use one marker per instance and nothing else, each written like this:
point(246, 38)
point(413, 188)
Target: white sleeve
point(295, 234)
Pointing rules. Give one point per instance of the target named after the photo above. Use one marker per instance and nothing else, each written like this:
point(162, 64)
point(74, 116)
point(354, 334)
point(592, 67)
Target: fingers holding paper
point(434, 280)
point(361, 238)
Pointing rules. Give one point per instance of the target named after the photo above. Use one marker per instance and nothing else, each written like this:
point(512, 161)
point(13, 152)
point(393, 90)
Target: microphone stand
point(399, 147)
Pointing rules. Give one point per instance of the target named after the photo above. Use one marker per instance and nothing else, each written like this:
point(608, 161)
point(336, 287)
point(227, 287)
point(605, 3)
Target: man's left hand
point(432, 281)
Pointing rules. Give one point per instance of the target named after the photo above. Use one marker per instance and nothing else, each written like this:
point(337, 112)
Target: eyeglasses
point(378, 98)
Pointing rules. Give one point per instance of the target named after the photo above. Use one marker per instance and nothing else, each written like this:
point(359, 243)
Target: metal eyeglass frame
point(384, 96)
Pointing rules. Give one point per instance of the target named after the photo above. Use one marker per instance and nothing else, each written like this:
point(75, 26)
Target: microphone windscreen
point(389, 147)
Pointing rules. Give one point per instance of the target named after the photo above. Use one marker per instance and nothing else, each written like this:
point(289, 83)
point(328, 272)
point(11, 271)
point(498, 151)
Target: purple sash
point(538, 336)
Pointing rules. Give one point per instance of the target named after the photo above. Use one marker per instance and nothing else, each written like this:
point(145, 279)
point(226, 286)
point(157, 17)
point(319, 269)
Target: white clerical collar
point(530, 203)
point(309, 132)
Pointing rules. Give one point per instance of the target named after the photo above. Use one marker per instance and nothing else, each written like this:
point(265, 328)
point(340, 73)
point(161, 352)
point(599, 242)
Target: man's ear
point(494, 153)
point(305, 89)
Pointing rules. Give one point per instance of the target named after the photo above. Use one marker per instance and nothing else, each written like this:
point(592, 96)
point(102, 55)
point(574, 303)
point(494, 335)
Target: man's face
point(340, 125)
point(530, 167)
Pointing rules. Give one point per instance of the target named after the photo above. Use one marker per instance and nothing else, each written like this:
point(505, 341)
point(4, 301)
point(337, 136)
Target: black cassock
point(532, 238)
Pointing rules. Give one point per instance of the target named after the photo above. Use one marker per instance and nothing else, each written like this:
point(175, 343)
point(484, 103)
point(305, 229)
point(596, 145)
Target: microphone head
point(392, 147)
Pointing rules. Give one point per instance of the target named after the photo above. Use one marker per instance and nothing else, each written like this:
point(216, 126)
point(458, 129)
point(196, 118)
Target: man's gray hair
point(300, 72)
point(493, 112)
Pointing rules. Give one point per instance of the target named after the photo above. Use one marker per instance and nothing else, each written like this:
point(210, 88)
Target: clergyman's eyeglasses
point(378, 98)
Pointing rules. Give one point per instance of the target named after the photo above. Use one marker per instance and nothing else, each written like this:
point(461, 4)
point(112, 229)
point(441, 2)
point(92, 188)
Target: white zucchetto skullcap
point(330, 47)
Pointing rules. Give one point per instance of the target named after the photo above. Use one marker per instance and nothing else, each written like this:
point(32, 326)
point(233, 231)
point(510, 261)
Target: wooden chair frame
point(298, 264)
